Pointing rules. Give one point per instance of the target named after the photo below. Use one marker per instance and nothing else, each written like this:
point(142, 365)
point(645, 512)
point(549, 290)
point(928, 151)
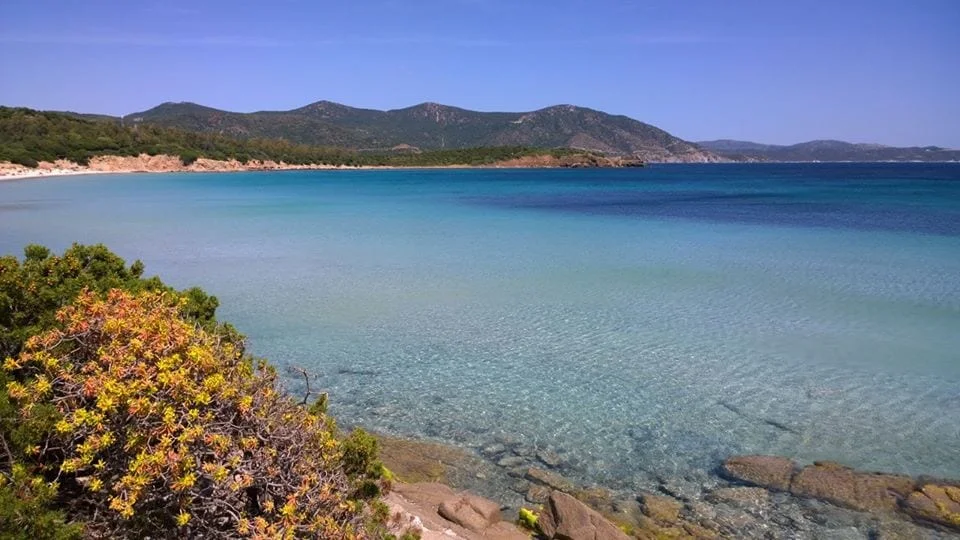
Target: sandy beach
point(144, 164)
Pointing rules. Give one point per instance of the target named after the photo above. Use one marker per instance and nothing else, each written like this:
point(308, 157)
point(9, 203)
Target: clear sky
point(765, 70)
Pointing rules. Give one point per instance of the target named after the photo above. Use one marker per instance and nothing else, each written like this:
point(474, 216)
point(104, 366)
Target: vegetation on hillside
point(28, 137)
point(431, 126)
point(127, 410)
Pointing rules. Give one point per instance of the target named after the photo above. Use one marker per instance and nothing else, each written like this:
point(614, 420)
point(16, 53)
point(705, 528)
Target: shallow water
point(640, 322)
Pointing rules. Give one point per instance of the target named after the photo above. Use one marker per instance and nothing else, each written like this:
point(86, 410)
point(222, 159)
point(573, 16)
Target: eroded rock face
point(938, 504)
point(566, 518)
point(843, 486)
point(771, 472)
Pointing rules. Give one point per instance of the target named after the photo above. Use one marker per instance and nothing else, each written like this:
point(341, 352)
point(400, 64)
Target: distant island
point(826, 150)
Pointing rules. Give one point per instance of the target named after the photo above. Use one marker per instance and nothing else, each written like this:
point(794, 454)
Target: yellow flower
point(182, 518)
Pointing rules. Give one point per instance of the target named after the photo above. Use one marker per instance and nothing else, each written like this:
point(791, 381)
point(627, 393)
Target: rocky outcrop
point(771, 472)
point(439, 512)
point(939, 504)
point(880, 494)
point(566, 518)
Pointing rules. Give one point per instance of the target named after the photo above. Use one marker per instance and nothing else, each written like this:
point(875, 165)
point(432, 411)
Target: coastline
point(746, 497)
point(169, 164)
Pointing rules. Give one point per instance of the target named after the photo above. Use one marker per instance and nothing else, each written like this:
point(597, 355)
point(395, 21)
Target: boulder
point(934, 503)
point(566, 518)
point(772, 472)
point(870, 492)
point(471, 512)
point(661, 509)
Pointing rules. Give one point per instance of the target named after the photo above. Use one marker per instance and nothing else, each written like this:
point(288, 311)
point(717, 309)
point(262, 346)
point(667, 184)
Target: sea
point(637, 323)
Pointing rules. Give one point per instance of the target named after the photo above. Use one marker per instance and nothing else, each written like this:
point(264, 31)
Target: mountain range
point(431, 126)
point(826, 150)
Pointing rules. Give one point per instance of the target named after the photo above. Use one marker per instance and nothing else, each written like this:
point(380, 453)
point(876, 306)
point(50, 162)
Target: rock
point(426, 494)
point(511, 461)
point(493, 450)
point(524, 451)
point(772, 472)
point(744, 497)
point(661, 509)
point(504, 531)
point(548, 478)
point(902, 530)
point(538, 494)
point(697, 531)
point(520, 486)
point(680, 489)
point(471, 512)
point(845, 487)
point(737, 523)
point(566, 518)
point(549, 458)
point(934, 503)
point(517, 472)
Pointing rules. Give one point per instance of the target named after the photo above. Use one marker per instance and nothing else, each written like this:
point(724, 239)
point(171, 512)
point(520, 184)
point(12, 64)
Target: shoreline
point(161, 163)
point(745, 497)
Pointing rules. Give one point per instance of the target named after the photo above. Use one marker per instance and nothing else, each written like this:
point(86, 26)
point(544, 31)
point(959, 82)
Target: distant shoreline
point(171, 164)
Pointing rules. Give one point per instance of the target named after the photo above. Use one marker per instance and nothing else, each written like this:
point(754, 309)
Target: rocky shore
point(749, 497)
point(164, 163)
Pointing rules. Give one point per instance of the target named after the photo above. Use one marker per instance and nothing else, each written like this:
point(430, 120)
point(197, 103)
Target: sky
point(874, 71)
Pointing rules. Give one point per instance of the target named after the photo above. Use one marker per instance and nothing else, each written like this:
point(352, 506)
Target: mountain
point(826, 150)
point(432, 126)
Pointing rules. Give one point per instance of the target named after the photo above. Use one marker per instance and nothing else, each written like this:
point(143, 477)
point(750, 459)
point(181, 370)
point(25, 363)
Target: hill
point(827, 150)
point(28, 137)
point(432, 126)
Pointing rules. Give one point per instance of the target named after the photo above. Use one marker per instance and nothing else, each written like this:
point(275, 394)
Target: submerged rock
point(661, 509)
point(549, 479)
point(871, 492)
point(772, 472)
point(549, 458)
point(753, 498)
point(938, 504)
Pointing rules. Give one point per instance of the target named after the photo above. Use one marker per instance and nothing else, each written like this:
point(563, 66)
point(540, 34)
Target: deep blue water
point(640, 322)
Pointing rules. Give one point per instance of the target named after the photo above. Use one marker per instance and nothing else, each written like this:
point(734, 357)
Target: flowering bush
point(152, 426)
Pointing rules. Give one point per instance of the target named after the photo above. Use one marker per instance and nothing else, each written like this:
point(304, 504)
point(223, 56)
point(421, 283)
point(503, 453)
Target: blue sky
point(764, 70)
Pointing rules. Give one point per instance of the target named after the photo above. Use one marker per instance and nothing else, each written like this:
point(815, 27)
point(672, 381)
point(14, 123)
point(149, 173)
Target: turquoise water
point(641, 323)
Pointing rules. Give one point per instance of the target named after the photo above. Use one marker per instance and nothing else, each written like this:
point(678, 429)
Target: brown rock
point(538, 494)
point(771, 472)
point(549, 479)
point(426, 494)
point(470, 512)
point(697, 531)
point(661, 509)
point(845, 487)
point(566, 518)
point(936, 503)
